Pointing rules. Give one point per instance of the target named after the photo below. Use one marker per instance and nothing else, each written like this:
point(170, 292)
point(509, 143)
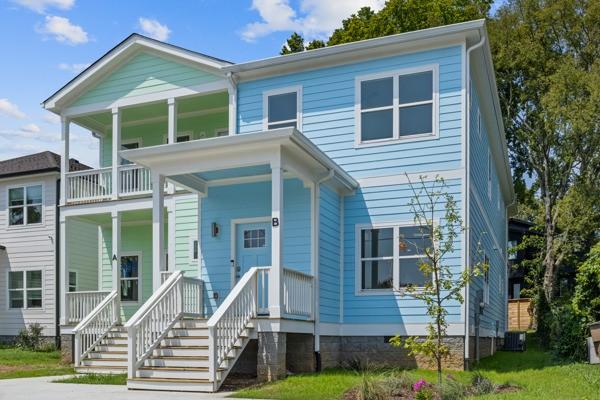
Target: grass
point(536, 372)
point(96, 379)
point(17, 363)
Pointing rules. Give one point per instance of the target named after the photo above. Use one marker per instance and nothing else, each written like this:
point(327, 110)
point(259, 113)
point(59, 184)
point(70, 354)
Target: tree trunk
point(550, 258)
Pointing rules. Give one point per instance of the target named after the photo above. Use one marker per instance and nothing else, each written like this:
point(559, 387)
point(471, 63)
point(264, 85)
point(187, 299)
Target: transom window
point(25, 205)
point(130, 278)
point(282, 108)
point(397, 105)
point(390, 257)
point(254, 238)
point(25, 289)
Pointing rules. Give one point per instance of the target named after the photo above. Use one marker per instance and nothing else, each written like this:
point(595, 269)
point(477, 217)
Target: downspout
point(57, 301)
point(317, 317)
point(467, 124)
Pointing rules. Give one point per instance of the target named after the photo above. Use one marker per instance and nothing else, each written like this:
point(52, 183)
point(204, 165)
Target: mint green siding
point(144, 74)
point(82, 246)
point(186, 230)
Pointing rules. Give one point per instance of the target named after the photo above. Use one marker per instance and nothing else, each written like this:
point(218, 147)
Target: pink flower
point(419, 384)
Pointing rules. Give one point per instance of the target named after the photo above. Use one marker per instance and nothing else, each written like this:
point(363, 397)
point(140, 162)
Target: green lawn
point(96, 379)
point(15, 363)
point(537, 374)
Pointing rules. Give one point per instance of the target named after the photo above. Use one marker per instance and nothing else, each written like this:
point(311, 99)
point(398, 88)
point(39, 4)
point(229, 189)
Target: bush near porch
point(536, 373)
point(18, 363)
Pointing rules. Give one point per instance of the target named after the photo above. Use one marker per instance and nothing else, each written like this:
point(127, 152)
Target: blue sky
point(45, 43)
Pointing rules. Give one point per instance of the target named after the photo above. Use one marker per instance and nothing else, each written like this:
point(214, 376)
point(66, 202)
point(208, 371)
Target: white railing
point(94, 327)
point(231, 319)
point(152, 321)
point(193, 292)
point(89, 185)
point(297, 294)
point(80, 304)
point(134, 179)
point(164, 275)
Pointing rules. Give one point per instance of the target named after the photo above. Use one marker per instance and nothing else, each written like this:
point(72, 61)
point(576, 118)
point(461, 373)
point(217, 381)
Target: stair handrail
point(95, 326)
point(150, 324)
point(231, 319)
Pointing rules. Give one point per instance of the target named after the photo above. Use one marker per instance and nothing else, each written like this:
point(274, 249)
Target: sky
point(45, 43)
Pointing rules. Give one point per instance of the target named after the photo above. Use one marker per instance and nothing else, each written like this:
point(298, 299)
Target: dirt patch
point(238, 381)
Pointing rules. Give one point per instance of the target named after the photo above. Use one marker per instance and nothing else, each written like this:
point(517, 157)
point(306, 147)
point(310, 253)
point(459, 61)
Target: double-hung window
point(282, 108)
point(397, 105)
point(25, 205)
point(25, 289)
point(391, 256)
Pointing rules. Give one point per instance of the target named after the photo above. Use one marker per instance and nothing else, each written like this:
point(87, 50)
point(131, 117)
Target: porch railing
point(89, 185)
point(94, 327)
point(297, 294)
point(80, 304)
point(134, 180)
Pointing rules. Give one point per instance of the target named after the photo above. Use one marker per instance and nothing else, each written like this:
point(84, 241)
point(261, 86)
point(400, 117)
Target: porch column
point(171, 234)
point(171, 132)
point(232, 92)
point(116, 147)
point(116, 255)
point(63, 273)
point(64, 161)
point(158, 233)
point(275, 275)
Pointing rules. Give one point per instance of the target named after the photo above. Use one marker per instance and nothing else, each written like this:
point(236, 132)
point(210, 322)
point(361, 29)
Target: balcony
point(95, 185)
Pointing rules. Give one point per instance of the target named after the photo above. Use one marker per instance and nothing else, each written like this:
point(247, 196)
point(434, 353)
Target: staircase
point(109, 356)
point(181, 361)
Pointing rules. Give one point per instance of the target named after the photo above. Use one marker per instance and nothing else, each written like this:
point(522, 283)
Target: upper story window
point(390, 257)
point(25, 205)
point(72, 281)
point(282, 108)
point(398, 105)
point(25, 289)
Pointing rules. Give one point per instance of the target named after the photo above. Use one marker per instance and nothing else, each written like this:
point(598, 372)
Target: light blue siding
point(329, 255)
point(329, 121)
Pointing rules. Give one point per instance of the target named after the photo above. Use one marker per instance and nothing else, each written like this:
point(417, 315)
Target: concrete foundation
point(300, 353)
point(271, 357)
point(66, 348)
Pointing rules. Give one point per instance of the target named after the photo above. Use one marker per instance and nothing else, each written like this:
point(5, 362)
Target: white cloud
point(45, 137)
point(62, 30)
point(33, 128)
point(40, 6)
point(154, 29)
point(75, 68)
point(51, 118)
point(315, 19)
point(10, 109)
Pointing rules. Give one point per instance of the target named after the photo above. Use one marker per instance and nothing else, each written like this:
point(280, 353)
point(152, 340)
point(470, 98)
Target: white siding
point(29, 247)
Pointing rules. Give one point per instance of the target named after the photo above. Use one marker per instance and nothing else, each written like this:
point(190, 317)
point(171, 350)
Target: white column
point(64, 279)
point(116, 147)
point(275, 275)
point(158, 232)
point(64, 161)
point(172, 121)
point(116, 256)
point(232, 90)
point(171, 233)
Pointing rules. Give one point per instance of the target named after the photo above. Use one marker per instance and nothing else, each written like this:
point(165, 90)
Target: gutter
point(467, 124)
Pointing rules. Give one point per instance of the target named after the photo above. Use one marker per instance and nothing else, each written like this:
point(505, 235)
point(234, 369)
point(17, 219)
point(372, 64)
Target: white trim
point(402, 179)
point(284, 90)
point(341, 255)
point(369, 329)
point(100, 261)
point(24, 289)
point(233, 223)
point(284, 325)
point(25, 224)
point(396, 106)
point(137, 253)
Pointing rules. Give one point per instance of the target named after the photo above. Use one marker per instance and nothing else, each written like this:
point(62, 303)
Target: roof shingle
point(45, 161)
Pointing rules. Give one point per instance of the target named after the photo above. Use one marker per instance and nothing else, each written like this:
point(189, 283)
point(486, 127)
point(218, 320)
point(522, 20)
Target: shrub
point(30, 338)
point(568, 333)
point(371, 389)
point(586, 300)
point(453, 390)
point(480, 384)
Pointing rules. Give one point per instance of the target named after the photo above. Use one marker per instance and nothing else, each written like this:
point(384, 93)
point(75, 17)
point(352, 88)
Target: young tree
point(446, 286)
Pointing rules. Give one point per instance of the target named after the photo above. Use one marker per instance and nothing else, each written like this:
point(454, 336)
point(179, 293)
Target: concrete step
point(181, 361)
point(185, 341)
point(175, 385)
point(181, 351)
point(174, 372)
point(104, 362)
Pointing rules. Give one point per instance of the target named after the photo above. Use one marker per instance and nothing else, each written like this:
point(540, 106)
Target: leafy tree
point(546, 59)
point(315, 44)
point(586, 300)
point(445, 286)
point(295, 44)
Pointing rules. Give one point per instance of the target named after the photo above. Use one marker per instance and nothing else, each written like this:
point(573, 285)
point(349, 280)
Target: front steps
point(109, 356)
point(180, 362)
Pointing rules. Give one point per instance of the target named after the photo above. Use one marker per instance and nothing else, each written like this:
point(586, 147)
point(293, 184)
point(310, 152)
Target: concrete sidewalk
point(44, 388)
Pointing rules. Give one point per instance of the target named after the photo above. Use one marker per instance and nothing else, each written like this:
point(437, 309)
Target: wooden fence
point(520, 315)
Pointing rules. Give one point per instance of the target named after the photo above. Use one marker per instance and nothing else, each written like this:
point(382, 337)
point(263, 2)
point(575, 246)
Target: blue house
point(251, 217)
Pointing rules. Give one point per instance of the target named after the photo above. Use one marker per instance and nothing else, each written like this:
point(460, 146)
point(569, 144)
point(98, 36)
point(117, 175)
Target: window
point(512, 255)
point(486, 280)
point(183, 138)
point(25, 289)
point(397, 106)
point(25, 205)
point(489, 175)
point(391, 256)
point(72, 281)
point(130, 278)
point(282, 108)
point(194, 249)
point(254, 238)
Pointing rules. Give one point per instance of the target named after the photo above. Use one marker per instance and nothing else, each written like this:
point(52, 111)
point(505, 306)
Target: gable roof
point(121, 51)
point(38, 163)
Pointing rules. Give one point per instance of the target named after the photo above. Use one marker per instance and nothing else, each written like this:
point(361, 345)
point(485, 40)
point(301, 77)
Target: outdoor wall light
point(214, 229)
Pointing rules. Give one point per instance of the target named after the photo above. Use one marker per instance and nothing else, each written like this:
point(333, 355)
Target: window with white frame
point(391, 257)
point(130, 273)
point(489, 175)
point(25, 289)
point(255, 238)
point(397, 105)
point(72, 281)
point(283, 108)
point(194, 249)
point(486, 279)
point(25, 205)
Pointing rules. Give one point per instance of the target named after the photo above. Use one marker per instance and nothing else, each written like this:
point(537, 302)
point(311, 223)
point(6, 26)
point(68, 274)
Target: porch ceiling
point(196, 164)
point(133, 216)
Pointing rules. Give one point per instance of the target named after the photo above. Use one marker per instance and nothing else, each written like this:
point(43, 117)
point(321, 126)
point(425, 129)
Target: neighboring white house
point(28, 242)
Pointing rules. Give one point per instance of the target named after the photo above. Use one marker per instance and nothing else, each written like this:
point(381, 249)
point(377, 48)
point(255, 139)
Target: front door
point(253, 249)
